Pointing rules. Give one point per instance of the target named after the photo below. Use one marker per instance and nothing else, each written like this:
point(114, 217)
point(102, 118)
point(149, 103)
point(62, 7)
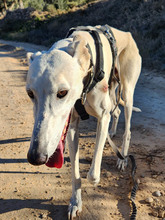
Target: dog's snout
point(36, 158)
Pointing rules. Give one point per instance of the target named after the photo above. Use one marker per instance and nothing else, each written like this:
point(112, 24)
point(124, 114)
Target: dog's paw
point(122, 164)
point(93, 179)
point(74, 209)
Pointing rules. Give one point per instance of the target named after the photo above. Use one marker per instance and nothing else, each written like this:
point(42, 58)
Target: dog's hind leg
point(115, 116)
point(129, 76)
point(75, 206)
point(101, 135)
point(115, 109)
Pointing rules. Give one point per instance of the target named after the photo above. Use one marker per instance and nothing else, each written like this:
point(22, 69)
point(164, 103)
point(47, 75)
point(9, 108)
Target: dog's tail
point(135, 109)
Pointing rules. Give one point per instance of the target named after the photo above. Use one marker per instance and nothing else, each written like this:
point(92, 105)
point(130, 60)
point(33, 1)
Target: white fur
point(64, 66)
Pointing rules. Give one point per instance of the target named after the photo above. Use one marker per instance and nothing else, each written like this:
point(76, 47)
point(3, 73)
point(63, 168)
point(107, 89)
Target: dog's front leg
point(102, 130)
point(75, 205)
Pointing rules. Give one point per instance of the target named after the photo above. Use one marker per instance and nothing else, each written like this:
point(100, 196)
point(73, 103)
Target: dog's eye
point(62, 93)
point(30, 94)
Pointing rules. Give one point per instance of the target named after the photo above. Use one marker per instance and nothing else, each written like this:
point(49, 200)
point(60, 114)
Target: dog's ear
point(30, 56)
point(82, 55)
point(78, 50)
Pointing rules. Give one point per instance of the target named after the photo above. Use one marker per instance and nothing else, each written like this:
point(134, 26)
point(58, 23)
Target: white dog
point(55, 81)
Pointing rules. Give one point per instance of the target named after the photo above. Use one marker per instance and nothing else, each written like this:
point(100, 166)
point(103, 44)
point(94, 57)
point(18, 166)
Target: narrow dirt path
point(29, 192)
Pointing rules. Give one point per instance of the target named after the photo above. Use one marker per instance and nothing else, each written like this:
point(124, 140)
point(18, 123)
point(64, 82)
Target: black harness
point(95, 76)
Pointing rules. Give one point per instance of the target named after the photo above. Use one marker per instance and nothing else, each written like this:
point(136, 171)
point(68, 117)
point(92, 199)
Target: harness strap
point(99, 74)
point(106, 29)
point(96, 76)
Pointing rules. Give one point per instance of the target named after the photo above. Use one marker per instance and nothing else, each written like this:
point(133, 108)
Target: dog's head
point(54, 83)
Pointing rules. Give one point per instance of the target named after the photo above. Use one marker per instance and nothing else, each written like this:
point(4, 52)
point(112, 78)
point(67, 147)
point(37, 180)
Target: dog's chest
point(98, 100)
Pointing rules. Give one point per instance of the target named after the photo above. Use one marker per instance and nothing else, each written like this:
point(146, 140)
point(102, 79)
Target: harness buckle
point(100, 76)
point(83, 98)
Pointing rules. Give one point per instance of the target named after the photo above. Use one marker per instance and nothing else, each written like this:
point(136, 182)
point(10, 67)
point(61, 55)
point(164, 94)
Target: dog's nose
point(35, 158)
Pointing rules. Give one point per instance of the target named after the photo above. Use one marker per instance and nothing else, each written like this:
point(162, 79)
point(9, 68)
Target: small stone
point(52, 198)
point(154, 204)
point(155, 214)
point(161, 214)
point(149, 200)
point(142, 175)
point(157, 193)
point(138, 181)
point(88, 159)
point(154, 176)
point(42, 216)
point(58, 176)
point(107, 174)
point(16, 190)
point(45, 215)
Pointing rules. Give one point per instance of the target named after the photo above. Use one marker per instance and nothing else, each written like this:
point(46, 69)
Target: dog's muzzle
point(56, 159)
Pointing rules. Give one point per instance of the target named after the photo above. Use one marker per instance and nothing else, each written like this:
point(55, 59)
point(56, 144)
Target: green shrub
point(37, 4)
point(62, 4)
point(50, 8)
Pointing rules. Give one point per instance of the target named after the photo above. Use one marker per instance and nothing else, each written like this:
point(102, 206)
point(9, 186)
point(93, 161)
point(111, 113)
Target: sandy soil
point(28, 192)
